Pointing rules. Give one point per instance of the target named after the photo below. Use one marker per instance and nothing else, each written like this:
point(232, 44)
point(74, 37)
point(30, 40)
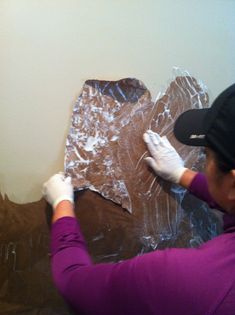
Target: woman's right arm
point(167, 164)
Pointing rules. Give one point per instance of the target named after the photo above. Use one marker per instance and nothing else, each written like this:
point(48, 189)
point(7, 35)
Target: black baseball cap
point(212, 127)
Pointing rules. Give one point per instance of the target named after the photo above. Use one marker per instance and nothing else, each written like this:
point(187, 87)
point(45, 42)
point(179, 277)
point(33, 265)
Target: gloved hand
point(165, 161)
point(57, 189)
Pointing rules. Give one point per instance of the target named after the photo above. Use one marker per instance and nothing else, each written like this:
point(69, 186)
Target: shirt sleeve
point(199, 188)
point(160, 282)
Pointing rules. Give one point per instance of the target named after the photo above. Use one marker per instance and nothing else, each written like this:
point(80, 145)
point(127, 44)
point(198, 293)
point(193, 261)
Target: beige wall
point(50, 47)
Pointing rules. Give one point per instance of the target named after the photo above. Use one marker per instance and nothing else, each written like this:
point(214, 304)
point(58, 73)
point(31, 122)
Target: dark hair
point(222, 165)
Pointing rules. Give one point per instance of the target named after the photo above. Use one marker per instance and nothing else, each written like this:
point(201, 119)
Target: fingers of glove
point(160, 147)
point(57, 177)
point(69, 185)
point(157, 141)
point(153, 151)
point(152, 163)
point(167, 143)
point(172, 151)
point(68, 180)
point(154, 137)
point(168, 146)
point(54, 180)
point(152, 147)
point(146, 138)
point(159, 152)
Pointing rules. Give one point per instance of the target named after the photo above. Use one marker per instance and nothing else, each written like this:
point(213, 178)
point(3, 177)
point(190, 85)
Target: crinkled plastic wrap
point(105, 153)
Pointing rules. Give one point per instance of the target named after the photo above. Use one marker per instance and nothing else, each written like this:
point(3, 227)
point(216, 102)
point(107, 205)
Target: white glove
point(165, 161)
point(57, 189)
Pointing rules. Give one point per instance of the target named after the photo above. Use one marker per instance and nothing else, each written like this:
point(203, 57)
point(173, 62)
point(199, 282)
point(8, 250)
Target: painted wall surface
point(49, 48)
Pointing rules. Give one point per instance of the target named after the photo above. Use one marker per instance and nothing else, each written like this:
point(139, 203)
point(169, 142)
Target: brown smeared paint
point(112, 233)
point(117, 114)
point(156, 206)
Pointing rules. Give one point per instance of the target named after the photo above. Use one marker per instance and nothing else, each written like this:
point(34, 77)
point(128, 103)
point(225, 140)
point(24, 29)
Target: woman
point(172, 281)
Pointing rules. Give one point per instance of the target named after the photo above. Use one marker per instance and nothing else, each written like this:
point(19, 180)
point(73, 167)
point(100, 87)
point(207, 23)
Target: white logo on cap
point(197, 136)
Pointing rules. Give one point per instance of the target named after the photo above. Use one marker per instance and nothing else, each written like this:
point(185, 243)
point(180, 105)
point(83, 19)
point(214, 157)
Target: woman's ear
point(231, 192)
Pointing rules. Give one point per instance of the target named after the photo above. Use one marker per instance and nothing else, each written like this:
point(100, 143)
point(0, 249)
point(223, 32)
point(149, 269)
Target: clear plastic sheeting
point(105, 153)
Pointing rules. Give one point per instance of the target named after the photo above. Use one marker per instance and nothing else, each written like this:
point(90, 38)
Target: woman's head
point(214, 128)
point(221, 180)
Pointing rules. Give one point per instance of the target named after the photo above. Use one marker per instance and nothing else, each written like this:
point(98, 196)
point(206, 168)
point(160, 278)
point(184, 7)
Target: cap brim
point(190, 127)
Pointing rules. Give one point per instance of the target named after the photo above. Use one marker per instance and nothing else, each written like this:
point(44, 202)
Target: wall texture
point(49, 48)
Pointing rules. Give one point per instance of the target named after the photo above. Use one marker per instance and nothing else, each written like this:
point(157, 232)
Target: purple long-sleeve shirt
point(172, 281)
